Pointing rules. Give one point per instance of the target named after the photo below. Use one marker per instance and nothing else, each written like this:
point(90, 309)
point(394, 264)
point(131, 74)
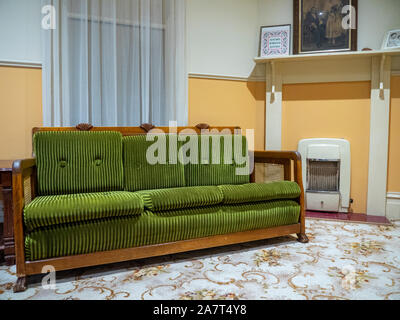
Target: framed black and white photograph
point(323, 26)
point(392, 40)
point(275, 40)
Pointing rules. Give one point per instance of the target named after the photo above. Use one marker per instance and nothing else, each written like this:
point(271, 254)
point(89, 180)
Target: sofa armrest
point(19, 166)
point(25, 170)
point(22, 170)
point(285, 158)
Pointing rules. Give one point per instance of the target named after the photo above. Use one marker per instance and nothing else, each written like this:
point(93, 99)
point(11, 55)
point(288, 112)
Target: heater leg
point(302, 237)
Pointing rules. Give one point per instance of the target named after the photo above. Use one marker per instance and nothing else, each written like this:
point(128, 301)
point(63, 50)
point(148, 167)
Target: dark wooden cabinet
point(8, 225)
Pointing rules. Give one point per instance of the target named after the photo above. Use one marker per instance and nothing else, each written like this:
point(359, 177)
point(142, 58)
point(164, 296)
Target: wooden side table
point(8, 226)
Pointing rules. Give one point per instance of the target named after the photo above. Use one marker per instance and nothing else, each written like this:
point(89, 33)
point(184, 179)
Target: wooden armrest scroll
point(20, 166)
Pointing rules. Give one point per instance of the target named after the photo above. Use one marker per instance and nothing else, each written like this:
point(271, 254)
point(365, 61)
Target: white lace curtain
point(115, 63)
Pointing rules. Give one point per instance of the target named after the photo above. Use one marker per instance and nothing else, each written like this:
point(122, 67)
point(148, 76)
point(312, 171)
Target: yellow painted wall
point(20, 110)
point(329, 110)
point(228, 103)
point(394, 138)
point(332, 110)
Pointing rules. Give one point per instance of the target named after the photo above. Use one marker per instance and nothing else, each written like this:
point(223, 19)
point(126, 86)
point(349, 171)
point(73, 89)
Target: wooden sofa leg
point(302, 237)
point(20, 285)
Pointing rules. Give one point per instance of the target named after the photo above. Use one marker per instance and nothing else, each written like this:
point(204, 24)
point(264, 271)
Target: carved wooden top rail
point(143, 129)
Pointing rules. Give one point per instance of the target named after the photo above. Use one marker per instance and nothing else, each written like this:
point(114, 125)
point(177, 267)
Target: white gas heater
point(326, 174)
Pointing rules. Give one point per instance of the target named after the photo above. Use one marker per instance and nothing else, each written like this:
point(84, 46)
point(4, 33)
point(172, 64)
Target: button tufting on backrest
point(62, 163)
point(79, 172)
point(98, 162)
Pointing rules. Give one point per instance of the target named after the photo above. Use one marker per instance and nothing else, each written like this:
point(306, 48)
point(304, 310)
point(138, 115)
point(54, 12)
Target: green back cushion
point(220, 149)
point(159, 173)
point(78, 162)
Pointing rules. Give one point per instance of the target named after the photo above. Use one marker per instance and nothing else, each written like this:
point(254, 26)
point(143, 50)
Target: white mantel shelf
point(331, 55)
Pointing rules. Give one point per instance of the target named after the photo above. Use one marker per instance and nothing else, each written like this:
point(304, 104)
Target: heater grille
point(323, 175)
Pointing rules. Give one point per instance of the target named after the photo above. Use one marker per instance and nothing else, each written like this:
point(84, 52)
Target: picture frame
point(391, 40)
point(318, 26)
point(275, 40)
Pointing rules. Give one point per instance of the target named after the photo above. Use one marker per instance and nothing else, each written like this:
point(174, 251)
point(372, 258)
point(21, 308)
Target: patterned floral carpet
point(342, 261)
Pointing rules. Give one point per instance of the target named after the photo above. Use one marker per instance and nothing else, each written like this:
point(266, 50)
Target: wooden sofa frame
point(26, 169)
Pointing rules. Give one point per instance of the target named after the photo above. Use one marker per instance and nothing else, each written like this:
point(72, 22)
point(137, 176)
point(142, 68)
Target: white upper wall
point(20, 28)
point(375, 18)
point(219, 30)
point(222, 36)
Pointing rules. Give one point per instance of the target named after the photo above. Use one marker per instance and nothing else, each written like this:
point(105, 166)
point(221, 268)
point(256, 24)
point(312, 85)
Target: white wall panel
point(223, 34)
point(20, 29)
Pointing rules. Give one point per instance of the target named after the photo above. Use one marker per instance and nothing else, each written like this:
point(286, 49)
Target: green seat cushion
point(216, 163)
point(59, 209)
point(142, 174)
point(78, 162)
point(180, 198)
point(254, 192)
point(155, 228)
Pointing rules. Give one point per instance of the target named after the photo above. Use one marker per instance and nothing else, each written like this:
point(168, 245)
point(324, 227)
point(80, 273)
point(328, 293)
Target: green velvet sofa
point(90, 196)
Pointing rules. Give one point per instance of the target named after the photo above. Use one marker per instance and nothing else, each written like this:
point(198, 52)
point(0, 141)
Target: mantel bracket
point(273, 83)
point(381, 78)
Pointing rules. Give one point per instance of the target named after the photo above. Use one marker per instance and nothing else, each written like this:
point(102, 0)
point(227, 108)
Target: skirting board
point(393, 206)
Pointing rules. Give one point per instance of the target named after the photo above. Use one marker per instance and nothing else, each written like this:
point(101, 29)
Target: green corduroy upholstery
point(78, 162)
point(155, 228)
point(206, 172)
point(59, 209)
point(180, 198)
point(139, 174)
point(253, 192)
